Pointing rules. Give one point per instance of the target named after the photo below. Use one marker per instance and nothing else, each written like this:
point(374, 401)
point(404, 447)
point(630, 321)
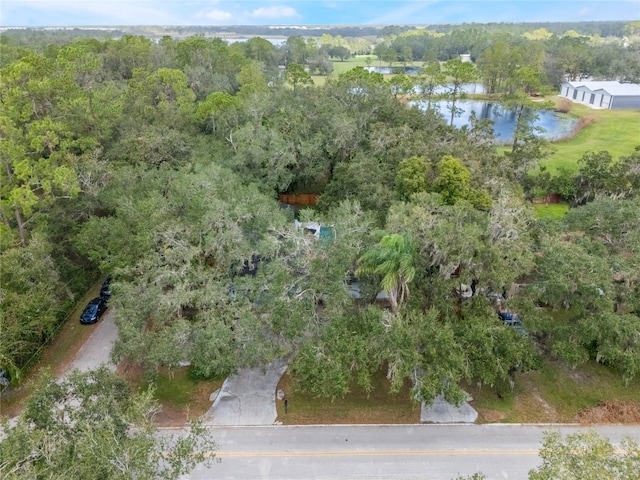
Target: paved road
point(97, 349)
point(422, 452)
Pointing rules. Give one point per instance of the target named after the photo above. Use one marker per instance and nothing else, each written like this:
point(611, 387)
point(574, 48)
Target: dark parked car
point(105, 290)
point(5, 379)
point(93, 311)
point(513, 320)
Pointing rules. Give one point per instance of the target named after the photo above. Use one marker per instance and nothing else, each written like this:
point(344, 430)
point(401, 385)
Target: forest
point(160, 163)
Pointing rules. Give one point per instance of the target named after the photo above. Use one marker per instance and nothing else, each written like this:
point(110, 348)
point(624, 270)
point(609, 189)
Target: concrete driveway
point(248, 397)
point(97, 349)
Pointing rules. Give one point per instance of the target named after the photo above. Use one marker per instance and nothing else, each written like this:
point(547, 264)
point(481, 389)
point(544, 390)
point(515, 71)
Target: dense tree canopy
point(160, 163)
point(89, 425)
point(582, 456)
point(586, 456)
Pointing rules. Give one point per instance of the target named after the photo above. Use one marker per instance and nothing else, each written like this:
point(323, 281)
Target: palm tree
point(394, 259)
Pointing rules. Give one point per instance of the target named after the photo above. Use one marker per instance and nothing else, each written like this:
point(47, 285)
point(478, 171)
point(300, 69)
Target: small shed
point(607, 95)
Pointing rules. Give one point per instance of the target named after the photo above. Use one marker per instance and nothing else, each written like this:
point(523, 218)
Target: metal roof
point(612, 88)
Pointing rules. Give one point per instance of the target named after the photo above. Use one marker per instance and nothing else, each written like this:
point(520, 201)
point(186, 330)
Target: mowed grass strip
point(359, 61)
point(357, 407)
point(556, 393)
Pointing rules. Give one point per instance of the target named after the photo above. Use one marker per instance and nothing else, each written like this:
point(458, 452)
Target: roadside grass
point(358, 406)
point(550, 210)
point(181, 397)
point(555, 393)
point(56, 356)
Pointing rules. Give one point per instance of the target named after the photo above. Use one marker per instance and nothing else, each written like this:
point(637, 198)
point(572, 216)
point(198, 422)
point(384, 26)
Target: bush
point(563, 105)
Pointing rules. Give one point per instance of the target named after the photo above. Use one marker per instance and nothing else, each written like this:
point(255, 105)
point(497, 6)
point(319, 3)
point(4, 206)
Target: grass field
point(180, 396)
point(616, 131)
point(357, 61)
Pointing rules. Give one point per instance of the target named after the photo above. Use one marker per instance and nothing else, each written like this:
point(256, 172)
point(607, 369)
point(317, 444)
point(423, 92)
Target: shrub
point(581, 123)
point(563, 105)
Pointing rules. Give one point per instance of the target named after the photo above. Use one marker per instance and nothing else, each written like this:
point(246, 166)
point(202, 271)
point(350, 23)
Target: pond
point(555, 126)
point(394, 70)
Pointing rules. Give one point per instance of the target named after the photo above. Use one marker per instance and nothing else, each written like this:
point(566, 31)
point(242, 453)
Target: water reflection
point(504, 121)
point(278, 42)
point(464, 88)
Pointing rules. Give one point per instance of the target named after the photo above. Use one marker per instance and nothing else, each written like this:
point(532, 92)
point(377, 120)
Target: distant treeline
point(604, 29)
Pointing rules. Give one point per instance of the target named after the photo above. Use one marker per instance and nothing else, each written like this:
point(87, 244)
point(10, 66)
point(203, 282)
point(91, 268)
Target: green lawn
point(616, 131)
point(181, 397)
point(357, 61)
point(550, 210)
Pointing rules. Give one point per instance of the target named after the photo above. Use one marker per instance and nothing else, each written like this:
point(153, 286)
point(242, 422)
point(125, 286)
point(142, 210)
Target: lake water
point(394, 70)
point(279, 41)
point(464, 88)
point(504, 121)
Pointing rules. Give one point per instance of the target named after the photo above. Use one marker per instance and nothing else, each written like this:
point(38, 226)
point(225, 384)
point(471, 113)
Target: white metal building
point(609, 95)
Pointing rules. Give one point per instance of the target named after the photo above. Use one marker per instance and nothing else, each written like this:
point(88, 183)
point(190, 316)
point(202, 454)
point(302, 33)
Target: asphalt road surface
point(387, 452)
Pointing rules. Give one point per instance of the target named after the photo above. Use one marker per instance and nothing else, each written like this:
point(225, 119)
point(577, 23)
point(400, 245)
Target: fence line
point(299, 198)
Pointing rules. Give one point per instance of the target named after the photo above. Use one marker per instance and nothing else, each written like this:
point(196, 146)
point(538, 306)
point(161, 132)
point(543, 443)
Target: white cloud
point(276, 11)
point(217, 15)
point(107, 12)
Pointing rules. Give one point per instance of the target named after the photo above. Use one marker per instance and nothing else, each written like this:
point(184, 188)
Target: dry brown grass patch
point(609, 412)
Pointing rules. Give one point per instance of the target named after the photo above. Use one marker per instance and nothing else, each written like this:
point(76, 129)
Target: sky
point(307, 12)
